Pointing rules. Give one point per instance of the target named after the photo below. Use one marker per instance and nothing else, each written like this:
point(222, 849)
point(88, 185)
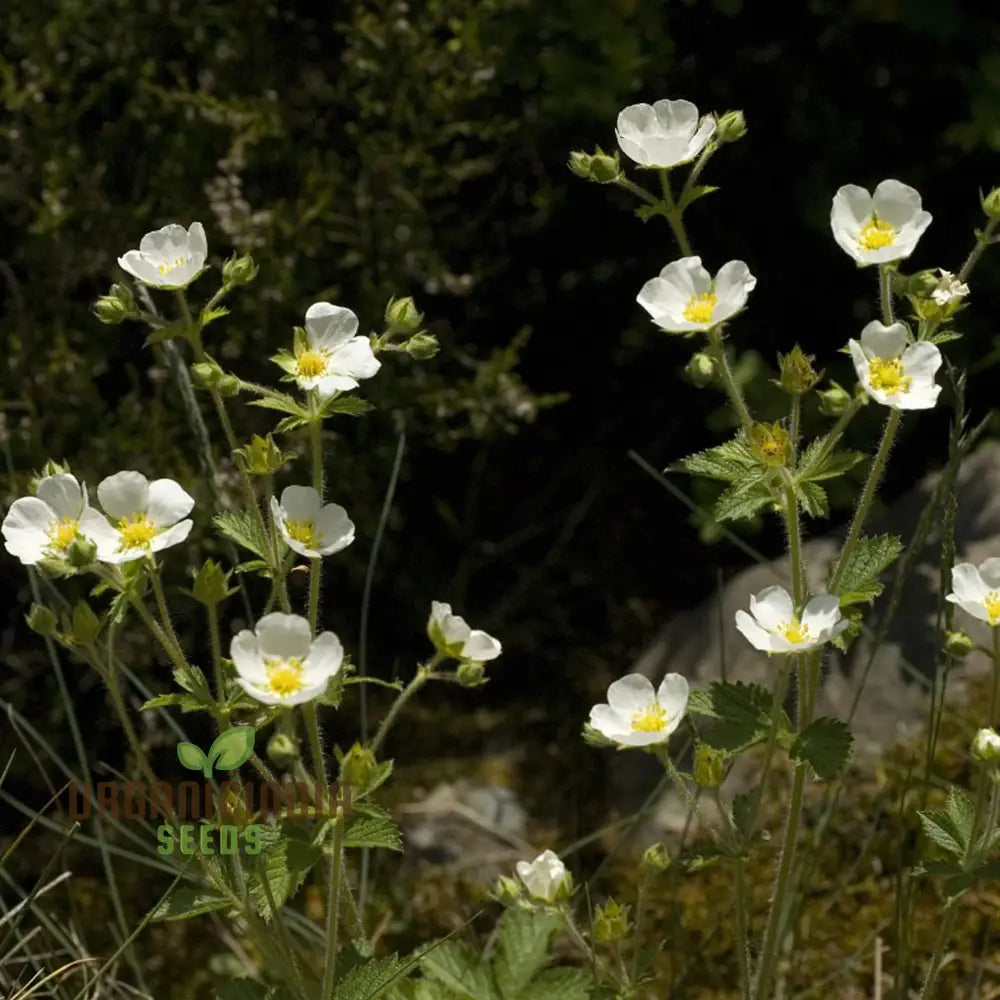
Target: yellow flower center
point(700, 307)
point(794, 631)
point(285, 677)
point(887, 375)
point(136, 533)
point(167, 266)
point(650, 720)
point(62, 533)
point(992, 603)
point(304, 531)
point(877, 234)
point(311, 364)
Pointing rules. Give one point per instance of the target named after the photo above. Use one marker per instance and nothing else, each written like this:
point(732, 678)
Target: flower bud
point(282, 751)
point(82, 552)
point(700, 370)
point(471, 674)
point(41, 619)
point(116, 306)
point(84, 624)
point(50, 468)
point(239, 270)
point(263, 457)
point(771, 444)
point(229, 386)
point(604, 167)
point(709, 767)
point(656, 858)
point(730, 127)
point(211, 584)
point(207, 374)
point(991, 204)
point(834, 401)
point(506, 890)
point(797, 373)
point(401, 315)
point(546, 878)
point(958, 644)
point(358, 766)
point(422, 346)
point(986, 746)
point(611, 923)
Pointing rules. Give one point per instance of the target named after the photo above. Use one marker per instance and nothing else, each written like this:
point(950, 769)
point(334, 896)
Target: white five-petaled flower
point(949, 288)
point(46, 525)
point(545, 878)
point(685, 297)
point(309, 526)
point(637, 716)
point(894, 373)
point(279, 663)
point(663, 134)
point(874, 229)
point(773, 626)
point(333, 358)
point(453, 637)
point(171, 257)
point(145, 516)
point(977, 590)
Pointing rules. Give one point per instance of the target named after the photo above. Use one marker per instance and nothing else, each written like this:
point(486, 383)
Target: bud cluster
point(599, 167)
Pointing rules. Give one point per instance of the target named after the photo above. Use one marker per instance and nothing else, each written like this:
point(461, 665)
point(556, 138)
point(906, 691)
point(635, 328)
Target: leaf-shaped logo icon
point(232, 748)
point(191, 757)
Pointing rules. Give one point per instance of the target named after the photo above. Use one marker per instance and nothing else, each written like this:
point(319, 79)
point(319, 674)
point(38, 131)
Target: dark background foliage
point(382, 148)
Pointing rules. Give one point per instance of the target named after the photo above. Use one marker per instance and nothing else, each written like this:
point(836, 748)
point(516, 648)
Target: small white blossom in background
point(309, 526)
point(453, 637)
point(145, 516)
point(545, 878)
point(875, 229)
point(279, 663)
point(772, 625)
point(664, 134)
point(986, 746)
point(977, 591)
point(684, 298)
point(636, 715)
point(46, 525)
point(949, 289)
point(171, 257)
point(893, 372)
point(333, 358)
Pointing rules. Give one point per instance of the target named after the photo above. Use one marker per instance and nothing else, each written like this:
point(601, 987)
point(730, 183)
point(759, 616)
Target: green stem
point(794, 419)
point(637, 190)
point(739, 868)
point(316, 565)
point(982, 242)
point(885, 291)
point(315, 745)
point(674, 216)
point(424, 672)
point(213, 635)
point(718, 349)
point(945, 927)
point(161, 605)
point(333, 908)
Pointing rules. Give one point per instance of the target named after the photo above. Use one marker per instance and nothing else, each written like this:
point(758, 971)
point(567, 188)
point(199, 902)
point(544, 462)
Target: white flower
point(44, 526)
point(664, 134)
point(949, 289)
point(309, 526)
point(332, 358)
point(986, 745)
point(145, 516)
point(171, 257)
point(635, 715)
point(877, 228)
point(453, 637)
point(977, 591)
point(279, 663)
point(685, 298)
point(545, 878)
point(774, 627)
point(894, 373)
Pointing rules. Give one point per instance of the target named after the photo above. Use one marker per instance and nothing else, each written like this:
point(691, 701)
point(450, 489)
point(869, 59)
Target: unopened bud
point(50, 468)
point(41, 619)
point(730, 127)
point(229, 386)
point(771, 444)
point(470, 674)
point(958, 644)
point(358, 766)
point(84, 624)
point(656, 858)
point(833, 402)
point(207, 374)
point(991, 204)
point(81, 553)
point(611, 923)
point(263, 457)
point(401, 315)
point(116, 306)
point(422, 346)
point(600, 167)
point(211, 584)
point(709, 767)
point(986, 746)
point(700, 370)
point(282, 751)
point(797, 373)
point(506, 890)
point(239, 270)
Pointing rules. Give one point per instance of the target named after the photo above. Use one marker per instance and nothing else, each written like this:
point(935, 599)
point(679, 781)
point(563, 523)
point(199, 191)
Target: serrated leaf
point(284, 862)
point(187, 901)
point(961, 809)
point(167, 333)
point(380, 774)
point(289, 424)
point(372, 826)
point(944, 337)
point(287, 362)
point(371, 979)
point(694, 193)
point(559, 984)
point(462, 971)
point(282, 403)
point(211, 315)
point(825, 745)
point(813, 499)
point(728, 462)
point(184, 701)
point(744, 498)
point(815, 464)
point(191, 679)
point(522, 948)
point(742, 711)
point(255, 566)
point(352, 406)
point(870, 558)
point(242, 529)
point(939, 827)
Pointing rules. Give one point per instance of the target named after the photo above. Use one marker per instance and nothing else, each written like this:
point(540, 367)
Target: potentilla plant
point(771, 467)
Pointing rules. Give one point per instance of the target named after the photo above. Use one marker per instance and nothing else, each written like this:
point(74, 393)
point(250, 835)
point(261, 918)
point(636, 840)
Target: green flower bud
point(117, 306)
point(771, 444)
point(700, 370)
point(422, 346)
point(986, 746)
point(239, 270)
point(834, 401)
point(401, 315)
point(84, 624)
point(730, 127)
point(579, 163)
point(54, 569)
point(709, 767)
point(506, 890)
point(797, 373)
point(211, 584)
point(263, 457)
point(50, 468)
point(991, 204)
point(81, 553)
point(611, 923)
point(656, 858)
point(42, 620)
point(958, 644)
point(358, 766)
point(229, 386)
point(282, 751)
point(471, 674)
point(207, 374)
point(604, 168)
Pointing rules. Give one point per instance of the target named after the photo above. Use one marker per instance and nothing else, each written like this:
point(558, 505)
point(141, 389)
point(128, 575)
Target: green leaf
point(242, 529)
point(187, 901)
point(938, 826)
point(743, 810)
point(191, 679)
point(813, 499)
point(522, 948)
point(815, 465)
point(961, 809)
point(284, 404)
point(559, 984)
point(944, 336)
point(185, 702)
point(284, 861)
point(693, 194)
point(461, 970)
point(372, 826)
point(190, 756)
point(728, 462)
point(351, 405)
point(742, 711)
point(744, 498)
point(371, 979)
point(871, 556)
point(232, 748)
point(250, 989)
point(287, 362)
point(167, 333)
point(825, 745)
point(211, 315)
point(289, 424)
point(255, 566)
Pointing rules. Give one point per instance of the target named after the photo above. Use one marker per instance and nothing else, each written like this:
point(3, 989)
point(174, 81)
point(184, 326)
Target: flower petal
point(168, 502)
point(752, 632)
point(631, 693)
point(124, 494)
point(328, 325)
point(772, 607)
point(881, 341)
point(283, 636)
point(63, 494)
